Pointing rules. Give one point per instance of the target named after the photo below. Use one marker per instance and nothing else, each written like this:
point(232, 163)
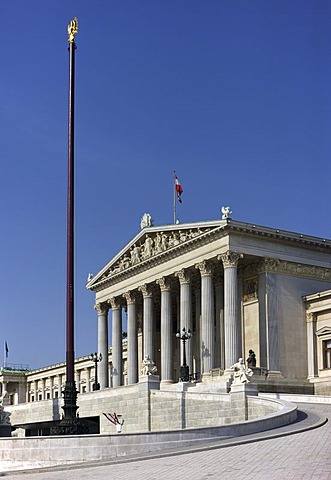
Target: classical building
point(236, 286)
point(239, 288)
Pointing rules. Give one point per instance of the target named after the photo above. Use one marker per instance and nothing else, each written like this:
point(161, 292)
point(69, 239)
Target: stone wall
point(144, 407)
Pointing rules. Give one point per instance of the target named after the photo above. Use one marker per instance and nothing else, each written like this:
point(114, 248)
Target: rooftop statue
point(226, 212)
point(146, 221)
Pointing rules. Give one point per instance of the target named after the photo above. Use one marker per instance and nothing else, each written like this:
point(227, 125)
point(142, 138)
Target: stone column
point(117, 350)
point(132, 352)
point(207, 316)
point(43, 389)
point(166, 330)
point(219, 329)
point(231, 318)
point(35, 390)
point(59, 385)
point(51, 387)
point(88, 379)
point(197, 336)
point(185, 314)
point(103, 378)
point(77, 380)
point(311, 345)
point(148, 321)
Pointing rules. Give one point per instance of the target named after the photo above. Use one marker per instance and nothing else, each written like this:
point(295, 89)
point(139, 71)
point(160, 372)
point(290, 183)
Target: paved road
point(305, 455)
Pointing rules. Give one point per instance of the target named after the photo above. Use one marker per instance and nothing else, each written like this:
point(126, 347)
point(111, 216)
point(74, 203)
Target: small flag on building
point(178, 188)
point(6, 349)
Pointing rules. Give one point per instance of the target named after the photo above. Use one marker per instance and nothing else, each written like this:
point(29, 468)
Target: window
point(327, 353)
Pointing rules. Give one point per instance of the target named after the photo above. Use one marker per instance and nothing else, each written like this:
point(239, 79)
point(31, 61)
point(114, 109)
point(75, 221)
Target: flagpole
point(174, 187)
point(70, 424)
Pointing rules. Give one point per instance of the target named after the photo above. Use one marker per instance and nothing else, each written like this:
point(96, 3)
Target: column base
point(167, 382)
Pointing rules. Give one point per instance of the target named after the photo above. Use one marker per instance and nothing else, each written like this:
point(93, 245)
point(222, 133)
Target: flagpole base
point(70, 423)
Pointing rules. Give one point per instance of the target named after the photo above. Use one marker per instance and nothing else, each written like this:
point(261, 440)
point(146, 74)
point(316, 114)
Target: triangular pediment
point(326, 330)
point(152, 242)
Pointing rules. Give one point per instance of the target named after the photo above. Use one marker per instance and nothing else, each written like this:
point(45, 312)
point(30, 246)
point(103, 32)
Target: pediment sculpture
point(151, 244)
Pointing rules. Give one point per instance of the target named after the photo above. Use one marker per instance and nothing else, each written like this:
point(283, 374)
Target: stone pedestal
point(184, 386)
point(238, 395)
point(146, 384)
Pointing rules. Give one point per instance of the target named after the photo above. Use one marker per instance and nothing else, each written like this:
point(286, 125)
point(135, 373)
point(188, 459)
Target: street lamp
point(96, 358)
point(184, 369)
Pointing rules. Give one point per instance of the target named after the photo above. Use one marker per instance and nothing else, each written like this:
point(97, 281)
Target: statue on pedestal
point(241, 373)
point(149, 367)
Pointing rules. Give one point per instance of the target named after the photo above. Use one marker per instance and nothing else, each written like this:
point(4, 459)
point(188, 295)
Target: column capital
point(164, 283)
point(205, 267)
point(230, 259)
point(269, 265)
point(115, 303)
point(102, 308)
point(184, 276)
point(130, 297)
point(311, 317)
point(146, 290)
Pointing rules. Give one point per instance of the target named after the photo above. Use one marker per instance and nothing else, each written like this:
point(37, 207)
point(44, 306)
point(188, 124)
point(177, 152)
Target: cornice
point(322, 244)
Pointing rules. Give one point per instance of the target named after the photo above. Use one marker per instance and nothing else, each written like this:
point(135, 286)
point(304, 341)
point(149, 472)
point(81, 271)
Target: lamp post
point(184, 369)
point(96, 358)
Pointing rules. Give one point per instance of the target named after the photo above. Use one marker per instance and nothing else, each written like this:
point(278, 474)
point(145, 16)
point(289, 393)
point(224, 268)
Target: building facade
point(236, 286)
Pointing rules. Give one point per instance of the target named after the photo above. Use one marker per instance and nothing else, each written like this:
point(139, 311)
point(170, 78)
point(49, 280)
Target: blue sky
point(234, 96)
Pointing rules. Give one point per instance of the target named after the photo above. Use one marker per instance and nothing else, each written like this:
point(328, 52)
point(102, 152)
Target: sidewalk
point(305, 455)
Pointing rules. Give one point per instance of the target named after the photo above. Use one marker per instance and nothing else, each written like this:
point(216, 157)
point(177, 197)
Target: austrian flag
point(178, 188)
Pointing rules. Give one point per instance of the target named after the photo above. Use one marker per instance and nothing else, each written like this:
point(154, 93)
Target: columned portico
point(117, 353)
point(231, 318)
point(207, 316)
point(166, 330)
point(103, 376)
point(238, 302)
point(132, 352)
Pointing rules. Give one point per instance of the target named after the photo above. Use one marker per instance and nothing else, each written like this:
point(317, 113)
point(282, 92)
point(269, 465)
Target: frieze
point(295, 269)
